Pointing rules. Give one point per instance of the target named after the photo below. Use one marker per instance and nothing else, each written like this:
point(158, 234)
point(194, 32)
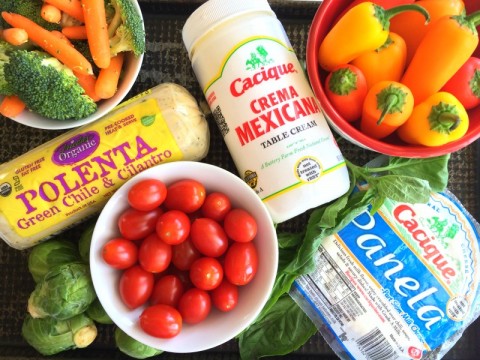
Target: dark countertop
point(166, 60)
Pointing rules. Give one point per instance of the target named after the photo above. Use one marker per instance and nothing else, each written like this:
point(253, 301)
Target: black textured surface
point(166, 61)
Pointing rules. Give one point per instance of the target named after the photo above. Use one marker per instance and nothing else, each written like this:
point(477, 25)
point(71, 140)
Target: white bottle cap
point(215, 12)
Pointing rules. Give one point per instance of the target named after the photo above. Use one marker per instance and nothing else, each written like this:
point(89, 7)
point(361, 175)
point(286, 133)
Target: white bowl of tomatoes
point(184, 256)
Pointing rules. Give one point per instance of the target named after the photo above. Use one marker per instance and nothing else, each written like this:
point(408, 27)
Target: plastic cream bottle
point(264, 107)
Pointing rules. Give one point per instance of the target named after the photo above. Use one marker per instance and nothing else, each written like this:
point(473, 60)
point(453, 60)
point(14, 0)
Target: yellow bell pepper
point(365, 27)
point(438, 120)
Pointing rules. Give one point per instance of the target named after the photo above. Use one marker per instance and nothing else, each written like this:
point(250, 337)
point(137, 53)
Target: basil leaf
point(284, 329)
point(289, 240)
point(434, 170)
point(402, 188)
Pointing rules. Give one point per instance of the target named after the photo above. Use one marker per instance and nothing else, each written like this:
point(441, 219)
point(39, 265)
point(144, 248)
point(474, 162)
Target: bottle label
point(82, 168)
point(400, 283)
point(270, 119)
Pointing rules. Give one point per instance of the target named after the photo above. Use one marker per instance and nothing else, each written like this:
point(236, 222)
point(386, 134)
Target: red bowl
point(327, 12)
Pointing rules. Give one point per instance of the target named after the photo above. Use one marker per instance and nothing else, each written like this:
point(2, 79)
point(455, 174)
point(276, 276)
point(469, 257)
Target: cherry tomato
point(162, 321)
point(173, 227)
point(240, 225)
point(120, 253)
point(135, 224)
point(225, 296)
point(194, 305)
point(184, 254)
point(185, 195)
point(209, 237)
point(154, 254)
point(147, 194)
point(136, 285)
point(216, 206)
point(241, 263)
point(167, 290)
point(206, 273)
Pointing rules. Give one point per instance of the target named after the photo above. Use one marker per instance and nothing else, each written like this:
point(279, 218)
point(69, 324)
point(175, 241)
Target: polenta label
point(83, 167)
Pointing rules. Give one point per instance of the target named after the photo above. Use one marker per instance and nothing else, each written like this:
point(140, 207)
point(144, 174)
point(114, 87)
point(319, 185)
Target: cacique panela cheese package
point(402, 283)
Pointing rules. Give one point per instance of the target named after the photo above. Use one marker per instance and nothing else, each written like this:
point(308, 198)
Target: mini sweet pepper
point(438, 120)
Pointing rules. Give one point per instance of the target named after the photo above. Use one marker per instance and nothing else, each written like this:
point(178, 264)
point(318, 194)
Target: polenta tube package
point(400, 284)
point(71, 177)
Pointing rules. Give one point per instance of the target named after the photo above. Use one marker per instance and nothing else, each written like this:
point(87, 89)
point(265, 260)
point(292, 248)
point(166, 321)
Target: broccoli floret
point(28, 8)
point(126, 30)
point(5, 50)
point(46, 86)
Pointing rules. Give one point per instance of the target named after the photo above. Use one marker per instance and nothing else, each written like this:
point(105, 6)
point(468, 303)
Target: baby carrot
point(51, 13)
point(70, 7)
point(97, 32)
point(11, 106)
point(87, 82)
point(78, 32)
point(15, 36)
point(61, 36)
point(107, 81)
point(50, 43)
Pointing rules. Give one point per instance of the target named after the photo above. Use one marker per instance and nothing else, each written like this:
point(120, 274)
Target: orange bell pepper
point(448, 44)
point(438, 120)
point(385, 63)
point(364, 27)
point(387, 106)
point(411, 26)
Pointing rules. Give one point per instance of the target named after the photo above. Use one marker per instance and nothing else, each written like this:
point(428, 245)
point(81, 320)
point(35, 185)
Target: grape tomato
point(206, 273)
point(120, 253)
point(209, 237)
point(135, 286)
point(241, 263)
point(194, 306)
point(147, 194)
point(184, 254)
point(136, 225)
point(185, 195)
point(225, 296)
point(240, 225)
point(154, 254)
point(167, 290)
point(216, 206)
point(162, 321)
point(173, 227)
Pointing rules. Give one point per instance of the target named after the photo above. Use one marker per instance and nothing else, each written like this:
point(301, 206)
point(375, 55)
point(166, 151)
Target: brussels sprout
point(53, 252)
point(98, 313)
point(50, 336)
point(132, 347)
point(65, 291)
point(84, 242)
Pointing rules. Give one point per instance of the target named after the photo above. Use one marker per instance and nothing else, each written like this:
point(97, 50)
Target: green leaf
point(402, 188)
point(434, 170)
point(148, 120)
point(283, 330)
point(289, 240)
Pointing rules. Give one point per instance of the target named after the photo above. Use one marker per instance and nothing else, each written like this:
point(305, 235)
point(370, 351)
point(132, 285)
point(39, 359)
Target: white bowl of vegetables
point(54, 73)
point(187, 265)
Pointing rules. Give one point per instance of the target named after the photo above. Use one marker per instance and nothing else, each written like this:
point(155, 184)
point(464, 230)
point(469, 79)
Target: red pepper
point(346, 88)
point(465, 84)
